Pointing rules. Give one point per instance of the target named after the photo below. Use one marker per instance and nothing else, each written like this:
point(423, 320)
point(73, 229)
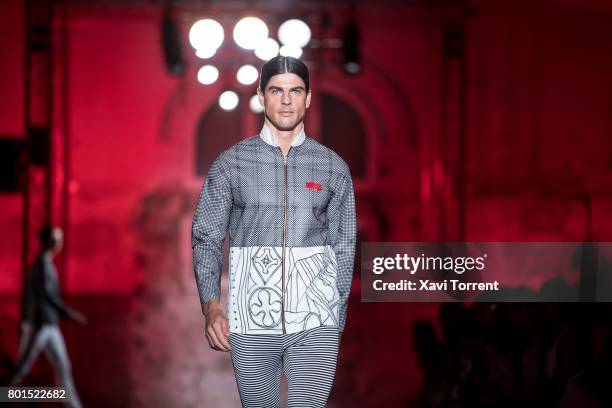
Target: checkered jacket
point(292, 229)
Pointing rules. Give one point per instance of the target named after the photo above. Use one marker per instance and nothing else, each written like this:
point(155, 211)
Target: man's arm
point(343, 231)
point(210, 224)
point(51, 293)
point(49, 289)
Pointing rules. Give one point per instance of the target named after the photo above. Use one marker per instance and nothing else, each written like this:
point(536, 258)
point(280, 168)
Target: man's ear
point(260, 96)
point(308, 95)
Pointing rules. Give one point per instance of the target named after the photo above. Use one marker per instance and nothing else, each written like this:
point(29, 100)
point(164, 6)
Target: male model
point(288, 204)
point(41, 310)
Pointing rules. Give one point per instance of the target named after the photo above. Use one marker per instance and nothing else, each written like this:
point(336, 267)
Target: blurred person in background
point(42, 308)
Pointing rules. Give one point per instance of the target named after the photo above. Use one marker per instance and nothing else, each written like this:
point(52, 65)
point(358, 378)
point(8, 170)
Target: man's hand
point(217, 326)
point(78, 317)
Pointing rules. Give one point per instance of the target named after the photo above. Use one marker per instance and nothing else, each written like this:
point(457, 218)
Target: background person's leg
point(26, 331)
point(55, 349)
point(310, 365)
point(37, 341)
point(257, 367)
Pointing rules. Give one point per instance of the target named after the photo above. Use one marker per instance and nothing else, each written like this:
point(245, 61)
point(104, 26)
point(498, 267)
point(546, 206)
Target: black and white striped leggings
point(308, 358)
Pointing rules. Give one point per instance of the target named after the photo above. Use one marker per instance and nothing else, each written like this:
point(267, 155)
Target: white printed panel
point(255, 289)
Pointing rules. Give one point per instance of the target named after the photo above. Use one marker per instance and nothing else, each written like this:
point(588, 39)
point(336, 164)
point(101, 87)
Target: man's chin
point(285, 127)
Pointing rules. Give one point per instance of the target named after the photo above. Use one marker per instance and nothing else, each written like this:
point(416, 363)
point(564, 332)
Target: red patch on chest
point(311, 185)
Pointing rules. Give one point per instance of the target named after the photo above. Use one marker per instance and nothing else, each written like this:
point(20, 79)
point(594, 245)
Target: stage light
point(206, 34)
point(208, 74)
point(255, 105)
point(247, 74)
point(294, 32)
point(249, 32)
point(267, 50)
point(228, 100)
point(290, 51)
point(205, 53)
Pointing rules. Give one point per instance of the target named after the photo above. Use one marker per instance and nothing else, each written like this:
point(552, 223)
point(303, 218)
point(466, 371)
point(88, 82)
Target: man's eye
point(297, 91)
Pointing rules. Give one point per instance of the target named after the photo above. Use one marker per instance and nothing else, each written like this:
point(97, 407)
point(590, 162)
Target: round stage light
point(249, 32)
point(247, 74)
point(267, 50)
point(228, 100)
point(255, 105)
point(206, 34)
point(294, 32)
point(205, 53)
point(208, 74)
point(291, 51)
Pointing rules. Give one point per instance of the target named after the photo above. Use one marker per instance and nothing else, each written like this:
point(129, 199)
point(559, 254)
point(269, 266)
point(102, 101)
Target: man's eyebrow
point(274, 87)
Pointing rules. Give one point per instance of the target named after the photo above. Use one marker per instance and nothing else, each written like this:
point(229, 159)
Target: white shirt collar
point(270, 139)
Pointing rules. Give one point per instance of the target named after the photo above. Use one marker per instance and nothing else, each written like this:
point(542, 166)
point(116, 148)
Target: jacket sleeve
point(51, 292)
point(210, 224)
point(343, 231)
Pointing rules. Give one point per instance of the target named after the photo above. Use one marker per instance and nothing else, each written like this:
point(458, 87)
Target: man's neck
point(284, 138)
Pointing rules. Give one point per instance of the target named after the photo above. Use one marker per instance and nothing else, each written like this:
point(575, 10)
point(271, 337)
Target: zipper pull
point(287, 156)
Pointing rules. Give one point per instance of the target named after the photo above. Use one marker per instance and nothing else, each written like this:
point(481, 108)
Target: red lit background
point(487, 121)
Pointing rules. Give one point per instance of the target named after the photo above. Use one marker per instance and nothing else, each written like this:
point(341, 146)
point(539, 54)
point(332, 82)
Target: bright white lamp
point(208, 74)
point(249, 32)
point(255, 105)
point(247, 74)
point(205, 53)
point(267, 49)
point(294, 32)
point(206, 34)
point(291, 51)
point(228, 100)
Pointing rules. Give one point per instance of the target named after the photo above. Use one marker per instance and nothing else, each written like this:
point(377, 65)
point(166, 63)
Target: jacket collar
point(268, 137)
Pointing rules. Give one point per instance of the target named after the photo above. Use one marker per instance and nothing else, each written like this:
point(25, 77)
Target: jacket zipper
point(285, 199)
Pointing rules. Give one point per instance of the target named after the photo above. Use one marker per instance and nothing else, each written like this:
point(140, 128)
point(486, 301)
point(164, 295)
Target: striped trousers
point(307, 357)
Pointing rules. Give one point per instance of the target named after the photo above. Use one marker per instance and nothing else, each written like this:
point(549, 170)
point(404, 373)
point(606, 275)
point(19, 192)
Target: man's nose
point(286, 100)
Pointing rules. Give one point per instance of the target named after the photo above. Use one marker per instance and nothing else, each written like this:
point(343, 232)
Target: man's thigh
point(257, 366)
point(55, 350)
point(310, 365)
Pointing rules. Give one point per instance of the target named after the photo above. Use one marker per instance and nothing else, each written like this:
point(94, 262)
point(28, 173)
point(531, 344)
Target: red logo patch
point(311, 185)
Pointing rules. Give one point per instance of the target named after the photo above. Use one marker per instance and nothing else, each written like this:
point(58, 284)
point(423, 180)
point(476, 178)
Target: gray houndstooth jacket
point(292, 231)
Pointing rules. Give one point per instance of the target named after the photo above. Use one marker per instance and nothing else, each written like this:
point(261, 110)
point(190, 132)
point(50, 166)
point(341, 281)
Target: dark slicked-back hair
point(282, 65)
point(47, 240)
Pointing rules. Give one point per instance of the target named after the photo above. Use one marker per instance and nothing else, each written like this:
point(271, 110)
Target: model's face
point(58, 237)
point(285, 101)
